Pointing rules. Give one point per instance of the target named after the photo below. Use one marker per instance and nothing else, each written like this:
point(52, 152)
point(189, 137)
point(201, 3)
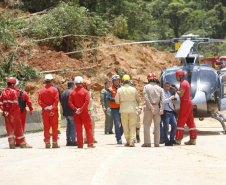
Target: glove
point(48, 108)
point(139, 111)
point(78, 111)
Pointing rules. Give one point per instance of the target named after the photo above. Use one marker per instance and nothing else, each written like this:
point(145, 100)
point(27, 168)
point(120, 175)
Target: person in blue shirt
point(169, 117)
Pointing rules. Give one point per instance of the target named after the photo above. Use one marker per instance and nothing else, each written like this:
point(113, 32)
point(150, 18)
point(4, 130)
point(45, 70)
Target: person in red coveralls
point(48, 99)
point(11, 112)
point(23, 100)
point(79, 101)
point(186, 110)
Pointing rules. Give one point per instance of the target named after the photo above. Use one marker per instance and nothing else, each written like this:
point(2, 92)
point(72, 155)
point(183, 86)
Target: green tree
point(215, 22)
point(177, 12)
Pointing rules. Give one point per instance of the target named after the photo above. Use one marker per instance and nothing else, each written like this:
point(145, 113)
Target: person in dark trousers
point(112, 91)
point(169, 117)
point(69, 114)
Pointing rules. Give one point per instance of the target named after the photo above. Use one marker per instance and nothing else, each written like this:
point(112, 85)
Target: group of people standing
point(125, 105)
point(121, 104)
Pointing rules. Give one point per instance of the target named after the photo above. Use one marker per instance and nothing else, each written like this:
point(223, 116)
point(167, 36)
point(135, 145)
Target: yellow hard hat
point(126, 78)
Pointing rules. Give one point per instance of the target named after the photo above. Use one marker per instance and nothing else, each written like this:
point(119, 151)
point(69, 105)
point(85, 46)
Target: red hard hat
point(151, 76)
point(11, 80)
point(179, 73)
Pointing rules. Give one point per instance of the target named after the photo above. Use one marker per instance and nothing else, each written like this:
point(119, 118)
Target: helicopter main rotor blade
point(185, 49)
point(217, 40)
point(122, 44)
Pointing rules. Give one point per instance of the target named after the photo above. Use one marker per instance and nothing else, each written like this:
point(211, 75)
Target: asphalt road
point(112, 164)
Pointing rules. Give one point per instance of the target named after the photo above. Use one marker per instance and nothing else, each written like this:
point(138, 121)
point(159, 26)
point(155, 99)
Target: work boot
point(138, 135)
point(95, 141)
point(74, 144)
point(25, 145)
point(119, 142)
point(190, 142)
point(157, 145)
point(173, 142)
point(132, 144)
point(55, 145)
point(169, 144)
point(126, 145)
point(162, 142)
point(178, 142)
point(146, 145)
point(48, 145)
point(91, 146)
point(12, 145)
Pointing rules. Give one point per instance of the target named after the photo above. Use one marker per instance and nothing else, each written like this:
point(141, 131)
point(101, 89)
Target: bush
point(63, 20)
point(120, 26)
point(21, 71)
point(7, 37)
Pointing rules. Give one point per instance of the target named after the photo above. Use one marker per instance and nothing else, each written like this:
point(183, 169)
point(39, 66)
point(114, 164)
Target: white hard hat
point(115, 77)
point(17, 82)
point(48, 77)
point(78, 80)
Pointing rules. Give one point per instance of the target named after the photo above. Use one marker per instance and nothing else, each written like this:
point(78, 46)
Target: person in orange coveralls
point(11, 112)
point(79, 101)
point(23, 100)
point(48, 99)
point(186, 110)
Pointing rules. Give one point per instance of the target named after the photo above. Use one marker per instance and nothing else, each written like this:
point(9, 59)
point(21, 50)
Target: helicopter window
point(224, 86)
point(224, 90)
point(190, 60)
point(192, 79)
point(208, 81)
point(172, 79)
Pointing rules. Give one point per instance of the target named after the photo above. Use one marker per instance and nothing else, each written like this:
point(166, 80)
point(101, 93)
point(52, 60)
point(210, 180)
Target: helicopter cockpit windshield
point(190, 60)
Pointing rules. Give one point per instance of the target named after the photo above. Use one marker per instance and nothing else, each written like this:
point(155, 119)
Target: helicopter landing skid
point(221, 118)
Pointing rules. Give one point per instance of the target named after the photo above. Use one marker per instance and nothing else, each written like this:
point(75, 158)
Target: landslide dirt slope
point(136, 60)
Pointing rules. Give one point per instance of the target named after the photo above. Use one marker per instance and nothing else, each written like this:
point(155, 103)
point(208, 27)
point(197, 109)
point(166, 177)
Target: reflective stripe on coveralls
point(180, 128)
point(21, 137)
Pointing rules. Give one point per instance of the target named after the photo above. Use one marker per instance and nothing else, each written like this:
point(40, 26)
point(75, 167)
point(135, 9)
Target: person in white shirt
point(168, 116)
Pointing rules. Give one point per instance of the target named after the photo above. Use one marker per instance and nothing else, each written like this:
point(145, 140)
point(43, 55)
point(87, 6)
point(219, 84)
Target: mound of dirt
point(52, 60)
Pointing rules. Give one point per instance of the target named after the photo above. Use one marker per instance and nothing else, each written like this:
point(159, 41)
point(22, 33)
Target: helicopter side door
point(222, 92)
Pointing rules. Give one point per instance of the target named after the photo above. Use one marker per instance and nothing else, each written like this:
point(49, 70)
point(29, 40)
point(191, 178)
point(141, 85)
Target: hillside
point(136, 60)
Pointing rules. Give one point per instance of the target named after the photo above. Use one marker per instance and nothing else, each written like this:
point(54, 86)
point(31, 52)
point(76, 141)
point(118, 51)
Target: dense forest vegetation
point(128, 19)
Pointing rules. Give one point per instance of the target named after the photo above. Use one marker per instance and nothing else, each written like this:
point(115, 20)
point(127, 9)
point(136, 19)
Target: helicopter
point(208, 86)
